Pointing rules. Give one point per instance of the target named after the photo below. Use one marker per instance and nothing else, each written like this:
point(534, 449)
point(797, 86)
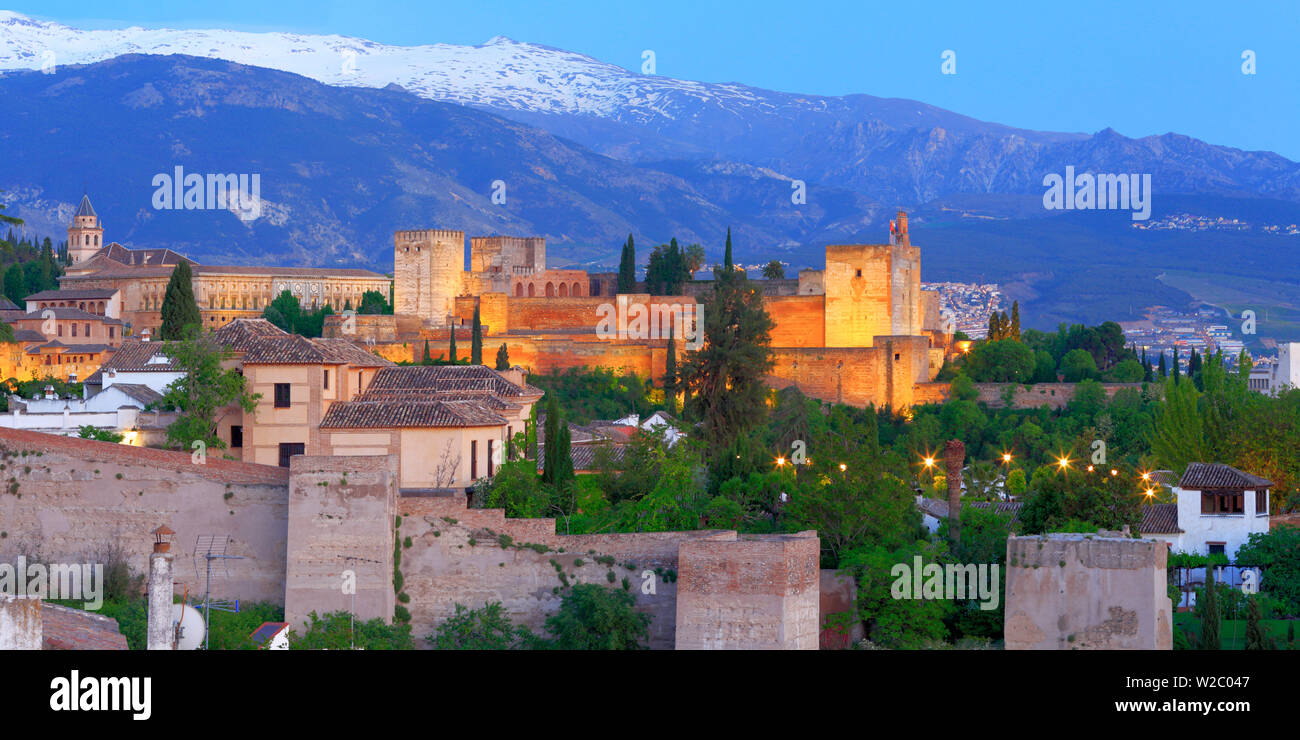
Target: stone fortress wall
point(860, 331)
point(324, 535)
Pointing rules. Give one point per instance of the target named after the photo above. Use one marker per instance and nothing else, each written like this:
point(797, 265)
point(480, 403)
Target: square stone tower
point(873, 290)
point(495, 261)
point(428, 273)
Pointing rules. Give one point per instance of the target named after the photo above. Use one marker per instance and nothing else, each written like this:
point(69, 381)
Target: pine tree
point(1179, 435)
point(503, 358)
point(1210, 619)
point(1015, 320)
point(476, 341)
point(727, 264)
point(452, 357)
point(179, 309)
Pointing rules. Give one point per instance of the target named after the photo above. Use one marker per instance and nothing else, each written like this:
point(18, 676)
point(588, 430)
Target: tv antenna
point(212, 548)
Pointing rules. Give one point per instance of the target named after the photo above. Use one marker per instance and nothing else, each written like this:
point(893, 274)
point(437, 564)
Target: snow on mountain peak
point(502, 73)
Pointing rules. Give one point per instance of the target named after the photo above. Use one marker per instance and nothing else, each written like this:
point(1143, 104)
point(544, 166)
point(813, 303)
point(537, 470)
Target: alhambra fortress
point(353, 463)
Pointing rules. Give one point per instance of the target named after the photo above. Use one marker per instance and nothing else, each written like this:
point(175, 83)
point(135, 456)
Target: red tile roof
point(1217, 476)
point(65, 628)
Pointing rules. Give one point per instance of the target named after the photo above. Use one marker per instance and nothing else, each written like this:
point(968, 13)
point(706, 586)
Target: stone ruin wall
point(1087, 592)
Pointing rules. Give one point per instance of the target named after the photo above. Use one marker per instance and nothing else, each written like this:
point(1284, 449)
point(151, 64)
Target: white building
point(114, 398)
point(1219, 507)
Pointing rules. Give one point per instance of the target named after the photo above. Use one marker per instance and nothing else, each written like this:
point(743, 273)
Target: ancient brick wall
point(858, 283)
point(1087, 592)
point(459, 555)
point(845, 375)
point(750, 592)
point(800, 320)
point(342, 512)
point(69, 499)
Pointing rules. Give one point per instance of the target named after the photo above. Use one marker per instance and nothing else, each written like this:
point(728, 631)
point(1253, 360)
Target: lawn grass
point(1232, 634)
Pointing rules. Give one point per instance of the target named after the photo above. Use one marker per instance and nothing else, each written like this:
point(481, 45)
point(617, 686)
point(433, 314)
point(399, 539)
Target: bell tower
point(85, 235)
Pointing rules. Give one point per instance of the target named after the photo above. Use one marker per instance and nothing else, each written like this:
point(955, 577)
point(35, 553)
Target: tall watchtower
point(873, 290)
point(85, 235)
point(428, 273)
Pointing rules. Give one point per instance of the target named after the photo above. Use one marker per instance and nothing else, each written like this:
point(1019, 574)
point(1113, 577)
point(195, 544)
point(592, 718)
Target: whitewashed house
point(1219, 507)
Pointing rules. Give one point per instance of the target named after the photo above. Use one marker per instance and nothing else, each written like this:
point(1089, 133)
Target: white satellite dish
point(190, 634)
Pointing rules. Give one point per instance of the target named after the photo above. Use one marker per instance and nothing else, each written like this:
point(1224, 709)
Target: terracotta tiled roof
point(142, 393)
point(64, 312)
point(134, 356)
point(342, 350)
point(241, 334)
point(65, 628)
point(72, 294)
point(28, 335)
point(293, 349)
point(450, 378)
point(938, 508)
point(1159, 519)
point(8, 305)
point(1203, 476)
point(54, 344)
point(584, 456)
point(406, 413)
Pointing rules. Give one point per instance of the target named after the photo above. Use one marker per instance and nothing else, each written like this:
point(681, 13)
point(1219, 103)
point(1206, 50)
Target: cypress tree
point(476, 341)
point(670, 375)
point(503, 358)
point(1255, 639)
point(551, 465)
point(1210, 619)
point(1164, 371)
point(727, 264)
point(627, 268)
point(179, 309)
point(428, 360)
point(452, 358)
point(1015, 320)
point(1175, 370)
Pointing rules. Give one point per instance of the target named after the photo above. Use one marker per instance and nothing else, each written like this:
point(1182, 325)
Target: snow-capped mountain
point(566, 93)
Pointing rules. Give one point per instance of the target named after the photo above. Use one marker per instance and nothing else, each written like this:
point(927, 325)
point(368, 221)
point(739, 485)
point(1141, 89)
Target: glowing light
point(1146, 476)
point(1064, 462)
point(1089, 468)
point(780, 461)
point(1114, 472)
point(843, 467)
point(1006, 457)
point(929, 462)
point(1149, 493)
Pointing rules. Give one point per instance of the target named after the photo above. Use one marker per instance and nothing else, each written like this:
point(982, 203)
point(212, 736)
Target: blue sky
point(1141, 68)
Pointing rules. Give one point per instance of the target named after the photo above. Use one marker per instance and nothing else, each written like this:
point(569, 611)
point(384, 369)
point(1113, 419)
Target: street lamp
point(1064, 462)
point(1006, 458)
point(843, 467)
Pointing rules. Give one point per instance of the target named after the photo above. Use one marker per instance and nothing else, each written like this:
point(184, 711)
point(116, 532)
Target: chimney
point(903, 239)
point(954, 454)
point(161, 631)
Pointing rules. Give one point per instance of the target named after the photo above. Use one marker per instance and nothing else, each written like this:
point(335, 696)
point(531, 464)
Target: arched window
point(564, 290)
point(532, 290)
point(519, 289)
point(577, 289)
point(550, 290)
